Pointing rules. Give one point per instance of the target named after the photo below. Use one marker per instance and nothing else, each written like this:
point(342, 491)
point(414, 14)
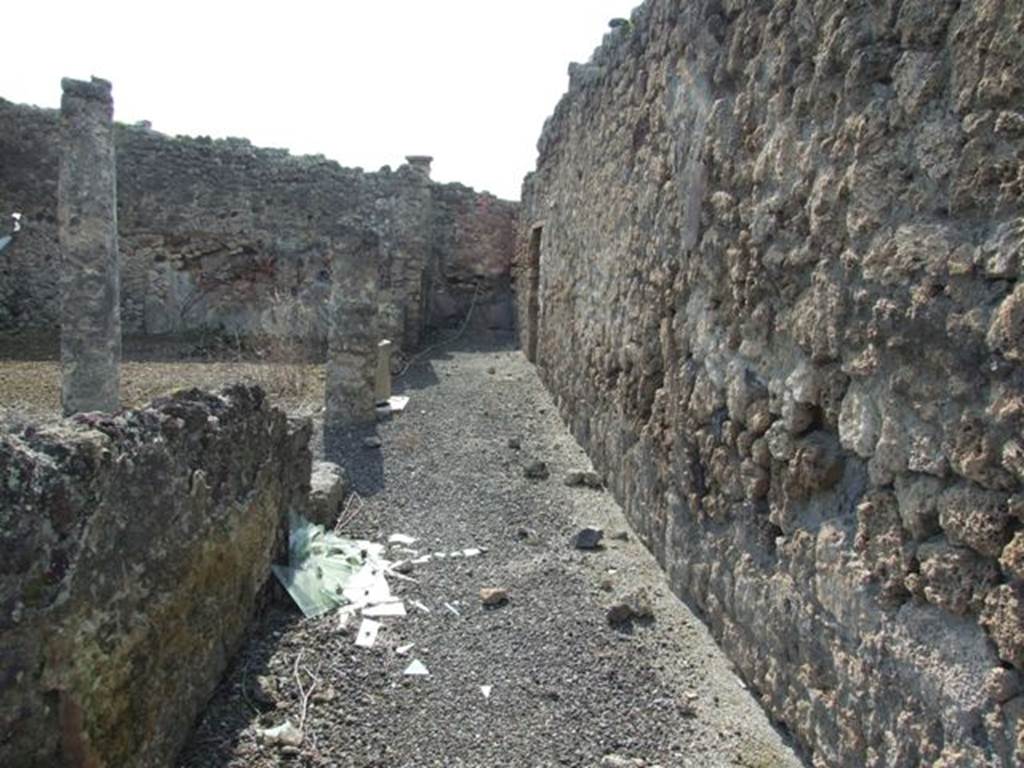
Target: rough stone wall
point(133, 553)
point(474, 244)
point(29, 292)
point(780, 305)
point(221, 234)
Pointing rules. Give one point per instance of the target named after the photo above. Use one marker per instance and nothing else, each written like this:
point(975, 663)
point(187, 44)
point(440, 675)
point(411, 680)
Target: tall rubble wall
point(133, 553)
point(218, 234)
point(776, 249)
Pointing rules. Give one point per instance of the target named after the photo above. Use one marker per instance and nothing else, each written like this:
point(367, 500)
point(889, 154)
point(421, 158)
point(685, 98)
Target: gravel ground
point(30, 375)
point(568, 689)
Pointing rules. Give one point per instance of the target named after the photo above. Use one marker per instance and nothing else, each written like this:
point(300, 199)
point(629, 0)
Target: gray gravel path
point(568, 689)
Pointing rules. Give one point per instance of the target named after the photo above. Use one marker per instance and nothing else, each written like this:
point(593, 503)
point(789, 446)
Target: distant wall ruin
point(133, 553)
point(770, 267)
point(224, 235)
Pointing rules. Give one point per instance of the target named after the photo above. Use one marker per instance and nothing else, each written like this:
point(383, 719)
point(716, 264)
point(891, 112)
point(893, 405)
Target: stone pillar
point(382, 388)
point(90, 346)
point(352, 336)
point(415, 238)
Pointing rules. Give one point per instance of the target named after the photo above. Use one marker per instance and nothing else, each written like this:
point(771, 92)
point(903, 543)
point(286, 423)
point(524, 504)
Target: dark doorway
point(533, 294)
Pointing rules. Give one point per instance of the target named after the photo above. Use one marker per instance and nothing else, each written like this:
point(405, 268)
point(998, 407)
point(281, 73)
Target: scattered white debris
point(422, 560)
point(285, 734)
point(418, 604)
point(416, 667)
point(397, 403)
point(440, 555)
point(486, 690)
point(403, 650)
point(452, 608)
point(401, 538)
point(472, 552)
point(385, 609)
point(367, 633)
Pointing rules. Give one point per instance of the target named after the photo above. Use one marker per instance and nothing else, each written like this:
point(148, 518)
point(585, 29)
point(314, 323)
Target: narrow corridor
point(564, 686)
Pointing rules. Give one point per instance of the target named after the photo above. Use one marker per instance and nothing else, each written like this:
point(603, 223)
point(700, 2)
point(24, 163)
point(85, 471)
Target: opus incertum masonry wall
point(770, 266)
point(219, 234)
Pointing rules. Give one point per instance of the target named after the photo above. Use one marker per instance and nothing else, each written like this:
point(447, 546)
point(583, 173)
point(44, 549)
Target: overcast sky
point(366, 83)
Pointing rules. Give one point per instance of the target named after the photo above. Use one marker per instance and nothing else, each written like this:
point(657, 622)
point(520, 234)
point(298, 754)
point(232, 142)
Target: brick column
point(90, 348)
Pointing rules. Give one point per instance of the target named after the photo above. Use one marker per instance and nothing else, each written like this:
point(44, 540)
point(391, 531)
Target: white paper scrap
point(418, 604)
point(486, 690)
point(472, 552)
point(401, 538)
point(422, 560)
point(397, 403)
point(385, 609)
point(452, 608)
point(367, 635)
point(403, 650)
point(416, 667)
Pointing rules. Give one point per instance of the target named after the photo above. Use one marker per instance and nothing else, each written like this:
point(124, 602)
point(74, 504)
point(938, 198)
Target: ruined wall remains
point(133, 553)
point(771, 257)
point(221, 234)
point(474, 243)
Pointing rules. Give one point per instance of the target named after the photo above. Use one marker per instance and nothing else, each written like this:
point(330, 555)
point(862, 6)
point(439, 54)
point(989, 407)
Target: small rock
point(325, 696)
point(583, 478)
point(372, 442)
point(588, 538)
point(620, 613)
point(536, 470)
point(607, 584)
point(515, 443)
point(284, 734)
point(326, 492)
point(528, 535)
point(491, 370)
point(492, 596)
point(616, 761)
point(634, 606)
point(404, 567)
point(263, 689)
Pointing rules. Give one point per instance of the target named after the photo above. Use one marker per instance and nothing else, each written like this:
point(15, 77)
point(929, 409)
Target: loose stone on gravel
point(586, 479)
point(372, 442)
point(528, 536)
point(588, 538)
point(493, 596)
point(536, 470)
point(634, 606)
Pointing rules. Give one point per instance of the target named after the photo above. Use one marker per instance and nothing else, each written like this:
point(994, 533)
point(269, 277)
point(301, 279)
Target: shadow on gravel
point(363, 465)
point(241, 695)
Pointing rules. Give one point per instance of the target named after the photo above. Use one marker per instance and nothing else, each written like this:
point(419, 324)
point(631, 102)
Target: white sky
point(365, 83)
